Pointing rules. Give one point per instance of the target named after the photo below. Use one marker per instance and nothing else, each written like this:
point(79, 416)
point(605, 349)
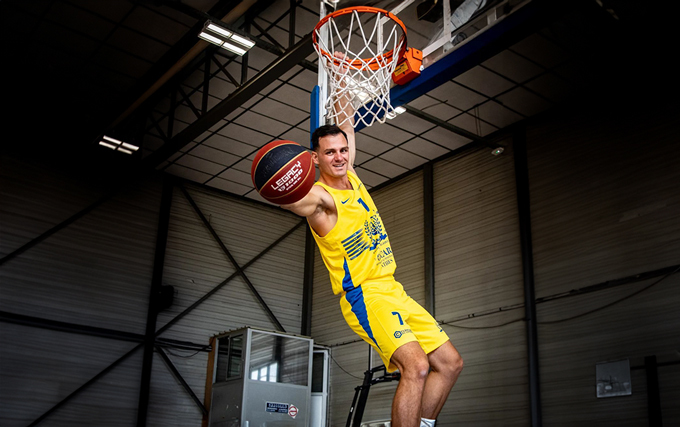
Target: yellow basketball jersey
point(357, 249)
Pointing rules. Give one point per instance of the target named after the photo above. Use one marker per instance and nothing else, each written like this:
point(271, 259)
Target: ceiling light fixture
point(117, 145)
point(498, 150)
point(225, 39)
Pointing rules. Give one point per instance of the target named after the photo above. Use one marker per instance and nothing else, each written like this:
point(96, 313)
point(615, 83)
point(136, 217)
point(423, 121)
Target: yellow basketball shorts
point(383, 315)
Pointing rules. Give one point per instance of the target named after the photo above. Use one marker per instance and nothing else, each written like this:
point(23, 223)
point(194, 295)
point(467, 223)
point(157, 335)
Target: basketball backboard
point(427, 31)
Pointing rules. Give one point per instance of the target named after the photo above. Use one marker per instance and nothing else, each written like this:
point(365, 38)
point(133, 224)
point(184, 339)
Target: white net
point(359, 53)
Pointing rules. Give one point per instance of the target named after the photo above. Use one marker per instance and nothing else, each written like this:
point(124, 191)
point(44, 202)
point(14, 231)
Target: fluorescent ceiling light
point(115, 141)
point(219, 30)
point(226, 39)
point(212, 39)
point(399, 109)
point(498, 150)
point(242, 41)
point(106, 144)
point(117, 145)
point(233, 48)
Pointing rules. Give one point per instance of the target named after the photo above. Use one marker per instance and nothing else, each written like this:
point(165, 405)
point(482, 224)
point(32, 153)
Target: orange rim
point(373, 63)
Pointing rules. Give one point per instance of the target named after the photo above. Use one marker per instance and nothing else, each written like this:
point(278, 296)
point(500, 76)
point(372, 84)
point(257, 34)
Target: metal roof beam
point(273, 71)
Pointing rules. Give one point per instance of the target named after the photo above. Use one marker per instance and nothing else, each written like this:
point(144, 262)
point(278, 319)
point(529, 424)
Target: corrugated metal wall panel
point(605, 197)
point(632, 329)
point(493, 388)
point(401, 209)
point(102, 260)
point(668, 389)
point(33, 201)
point(328, 325)
point(478, 270)
point(195, 264)
point(605, 193)
point(477, 258)
point(95, 272)
point(169, 403)
point(347, 372)
point(42, 367)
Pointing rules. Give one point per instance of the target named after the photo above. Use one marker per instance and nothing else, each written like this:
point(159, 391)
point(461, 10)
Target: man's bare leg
point(413, 366)
point(446, 365)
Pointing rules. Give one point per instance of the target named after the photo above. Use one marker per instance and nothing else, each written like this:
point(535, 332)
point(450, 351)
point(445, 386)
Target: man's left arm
point(345, 110)
point(348, 128)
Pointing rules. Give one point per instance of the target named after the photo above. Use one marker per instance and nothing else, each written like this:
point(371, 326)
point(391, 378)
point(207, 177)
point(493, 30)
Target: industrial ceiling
point(75, 70)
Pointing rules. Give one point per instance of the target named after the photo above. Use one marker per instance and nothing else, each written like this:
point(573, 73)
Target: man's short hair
point(325, 130)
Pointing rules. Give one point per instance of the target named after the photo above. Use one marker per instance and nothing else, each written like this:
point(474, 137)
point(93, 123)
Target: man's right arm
point(319, 209)
point(308, 205)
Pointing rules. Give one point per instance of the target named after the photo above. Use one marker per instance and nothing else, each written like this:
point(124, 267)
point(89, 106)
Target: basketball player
point(356, 250)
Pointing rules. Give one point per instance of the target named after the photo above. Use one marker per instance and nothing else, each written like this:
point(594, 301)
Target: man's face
point(332, 157)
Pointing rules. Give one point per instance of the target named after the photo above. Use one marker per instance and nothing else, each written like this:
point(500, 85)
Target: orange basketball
point(283, 172)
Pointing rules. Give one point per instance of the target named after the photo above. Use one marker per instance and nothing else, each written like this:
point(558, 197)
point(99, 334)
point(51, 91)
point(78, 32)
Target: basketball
point(283, 172)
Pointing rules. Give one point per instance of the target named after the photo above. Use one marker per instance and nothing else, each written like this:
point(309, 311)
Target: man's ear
point(315, 157)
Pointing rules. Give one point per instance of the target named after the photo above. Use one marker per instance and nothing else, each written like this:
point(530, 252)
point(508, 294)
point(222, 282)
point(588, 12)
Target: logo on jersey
point(399, 334)
point(355, 244)
point(367, 238)
point(374, 230)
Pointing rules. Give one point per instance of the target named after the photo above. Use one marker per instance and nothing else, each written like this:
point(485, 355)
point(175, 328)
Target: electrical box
point(259, 378)
point(613, 378)
point(408, 67)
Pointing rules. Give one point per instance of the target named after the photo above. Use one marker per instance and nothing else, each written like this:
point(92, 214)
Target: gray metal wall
point(196, 265)
point(605, 202)
point(97, 272)
point(605, 191)
point(477, 271)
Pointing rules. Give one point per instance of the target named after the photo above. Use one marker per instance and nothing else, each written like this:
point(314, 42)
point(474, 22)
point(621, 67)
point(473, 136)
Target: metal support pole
point(308, 285)
point(156, 283)
point(291, 23)
point(244, 59)
point(524, 211)
point(428, 214)
point(653, 395)
point(206, 82)
point(171, 114)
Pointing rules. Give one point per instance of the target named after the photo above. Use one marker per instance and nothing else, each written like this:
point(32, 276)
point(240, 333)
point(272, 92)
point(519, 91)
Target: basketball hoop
point(359, 62)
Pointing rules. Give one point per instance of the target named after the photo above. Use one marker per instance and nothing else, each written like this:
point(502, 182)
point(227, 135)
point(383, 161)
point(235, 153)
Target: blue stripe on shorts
point(355, 297)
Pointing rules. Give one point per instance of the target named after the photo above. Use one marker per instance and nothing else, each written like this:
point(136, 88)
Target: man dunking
point(357, 252)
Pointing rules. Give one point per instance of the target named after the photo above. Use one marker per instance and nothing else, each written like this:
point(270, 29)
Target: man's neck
point(338, 183)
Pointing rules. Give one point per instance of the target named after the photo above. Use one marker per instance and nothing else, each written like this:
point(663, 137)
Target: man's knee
point(456, 363)
point(416, 370)
point(447, 361)
point(412, 362)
